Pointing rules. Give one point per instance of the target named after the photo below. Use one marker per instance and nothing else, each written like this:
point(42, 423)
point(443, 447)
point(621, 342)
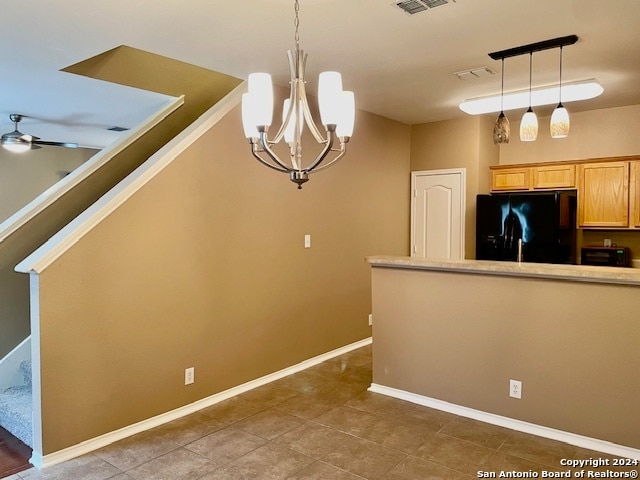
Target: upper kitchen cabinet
point(554, 176)
point(603, 195)
point(510, 179)
point(557, 176)
point(634, 194)
point(608, 188)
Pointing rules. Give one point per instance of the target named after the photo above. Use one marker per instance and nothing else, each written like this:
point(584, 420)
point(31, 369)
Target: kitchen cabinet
point(554, 176)
point(511, 179)
point(634, 194)
point(603, 195)
point(608, 188)
point(533, 177)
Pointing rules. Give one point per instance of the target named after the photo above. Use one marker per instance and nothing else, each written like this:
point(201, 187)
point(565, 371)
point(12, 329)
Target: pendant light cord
point(530, 69)
point(560, 83)
point(502, 88)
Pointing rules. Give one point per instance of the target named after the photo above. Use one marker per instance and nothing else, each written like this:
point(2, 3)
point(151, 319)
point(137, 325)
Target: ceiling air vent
point(415, 6)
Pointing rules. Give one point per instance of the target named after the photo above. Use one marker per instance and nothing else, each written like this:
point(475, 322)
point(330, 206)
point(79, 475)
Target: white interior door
point(437, 214)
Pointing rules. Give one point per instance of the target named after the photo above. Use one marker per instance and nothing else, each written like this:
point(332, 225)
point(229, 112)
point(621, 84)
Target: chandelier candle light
point(337, 114)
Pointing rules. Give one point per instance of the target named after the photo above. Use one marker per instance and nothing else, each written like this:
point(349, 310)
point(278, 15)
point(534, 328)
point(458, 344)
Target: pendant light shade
point(559, 126)
point(560, 123)
point(501, 129)
point(529, 126)
point(529, 122)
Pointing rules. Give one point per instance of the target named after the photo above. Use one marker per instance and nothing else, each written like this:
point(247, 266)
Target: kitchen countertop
point(577, 273)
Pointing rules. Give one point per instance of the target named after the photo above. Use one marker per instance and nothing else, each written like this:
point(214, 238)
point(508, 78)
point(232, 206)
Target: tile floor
point(320, 424)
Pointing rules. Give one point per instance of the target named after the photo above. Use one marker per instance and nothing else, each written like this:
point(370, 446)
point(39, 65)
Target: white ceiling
point(399, 66)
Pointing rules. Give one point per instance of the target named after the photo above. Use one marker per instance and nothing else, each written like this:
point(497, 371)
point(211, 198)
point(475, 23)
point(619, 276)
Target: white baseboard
point(513, 424)
point(39, 461)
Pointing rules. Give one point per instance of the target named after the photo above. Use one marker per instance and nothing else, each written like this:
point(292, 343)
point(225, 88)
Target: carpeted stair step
point(16, 407)
point(16, 412)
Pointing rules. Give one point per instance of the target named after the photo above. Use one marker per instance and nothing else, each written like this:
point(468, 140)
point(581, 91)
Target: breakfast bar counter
point(452, 334)
point(582, 273)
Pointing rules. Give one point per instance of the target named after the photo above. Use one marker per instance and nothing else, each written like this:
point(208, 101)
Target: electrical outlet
point(307, 241)
point(189, 375)
point(370, 319)
point(515, 388)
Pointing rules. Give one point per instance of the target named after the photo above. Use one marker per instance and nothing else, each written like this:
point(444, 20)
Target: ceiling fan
point(17, 141)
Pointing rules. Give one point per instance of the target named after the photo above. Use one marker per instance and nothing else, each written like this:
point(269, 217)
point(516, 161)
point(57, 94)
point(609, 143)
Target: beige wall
point(608, 132)
point(463, 143)
point(24, 176)
point(205, 267)
point(573, 345)
point(160, 74)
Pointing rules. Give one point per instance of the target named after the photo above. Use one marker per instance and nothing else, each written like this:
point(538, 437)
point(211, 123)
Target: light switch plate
point(189, 375)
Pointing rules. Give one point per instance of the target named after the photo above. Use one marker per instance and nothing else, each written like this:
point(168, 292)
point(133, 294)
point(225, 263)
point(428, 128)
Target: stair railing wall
point(38, 261)
point(29, 227)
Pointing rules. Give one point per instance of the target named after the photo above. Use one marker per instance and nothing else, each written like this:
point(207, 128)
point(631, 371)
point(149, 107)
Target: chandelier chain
point(296, 23)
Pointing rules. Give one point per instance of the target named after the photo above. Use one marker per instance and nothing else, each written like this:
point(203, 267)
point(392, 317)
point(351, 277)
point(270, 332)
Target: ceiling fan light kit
point(18, 142)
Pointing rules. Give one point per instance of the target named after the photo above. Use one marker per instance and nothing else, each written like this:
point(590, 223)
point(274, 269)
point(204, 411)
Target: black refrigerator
point(544, 222)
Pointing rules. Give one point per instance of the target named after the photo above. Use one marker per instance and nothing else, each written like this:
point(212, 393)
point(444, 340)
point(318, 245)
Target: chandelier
point(337, 114)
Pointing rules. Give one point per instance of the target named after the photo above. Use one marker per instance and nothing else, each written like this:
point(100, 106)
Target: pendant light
point(559, 126)
point(501, 129)
point(529, 122)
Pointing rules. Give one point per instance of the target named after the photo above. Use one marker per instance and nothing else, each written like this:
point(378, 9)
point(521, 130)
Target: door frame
point(462, 172)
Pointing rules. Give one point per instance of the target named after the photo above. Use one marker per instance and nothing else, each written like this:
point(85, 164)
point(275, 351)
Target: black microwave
point(606, 256)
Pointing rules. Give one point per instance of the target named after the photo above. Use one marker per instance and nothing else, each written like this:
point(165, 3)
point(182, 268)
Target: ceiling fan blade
point(55, 144)
point(18, 141)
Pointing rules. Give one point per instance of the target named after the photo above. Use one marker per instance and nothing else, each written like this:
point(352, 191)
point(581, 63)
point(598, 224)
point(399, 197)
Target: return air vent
point(415, 6)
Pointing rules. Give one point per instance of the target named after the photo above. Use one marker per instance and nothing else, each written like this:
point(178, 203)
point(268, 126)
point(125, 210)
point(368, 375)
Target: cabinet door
point(510, 179)
point(603, 195)
point(634, 195)
point(554, 177)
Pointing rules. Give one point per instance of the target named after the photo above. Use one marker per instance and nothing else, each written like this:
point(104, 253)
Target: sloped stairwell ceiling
point(132, 67)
